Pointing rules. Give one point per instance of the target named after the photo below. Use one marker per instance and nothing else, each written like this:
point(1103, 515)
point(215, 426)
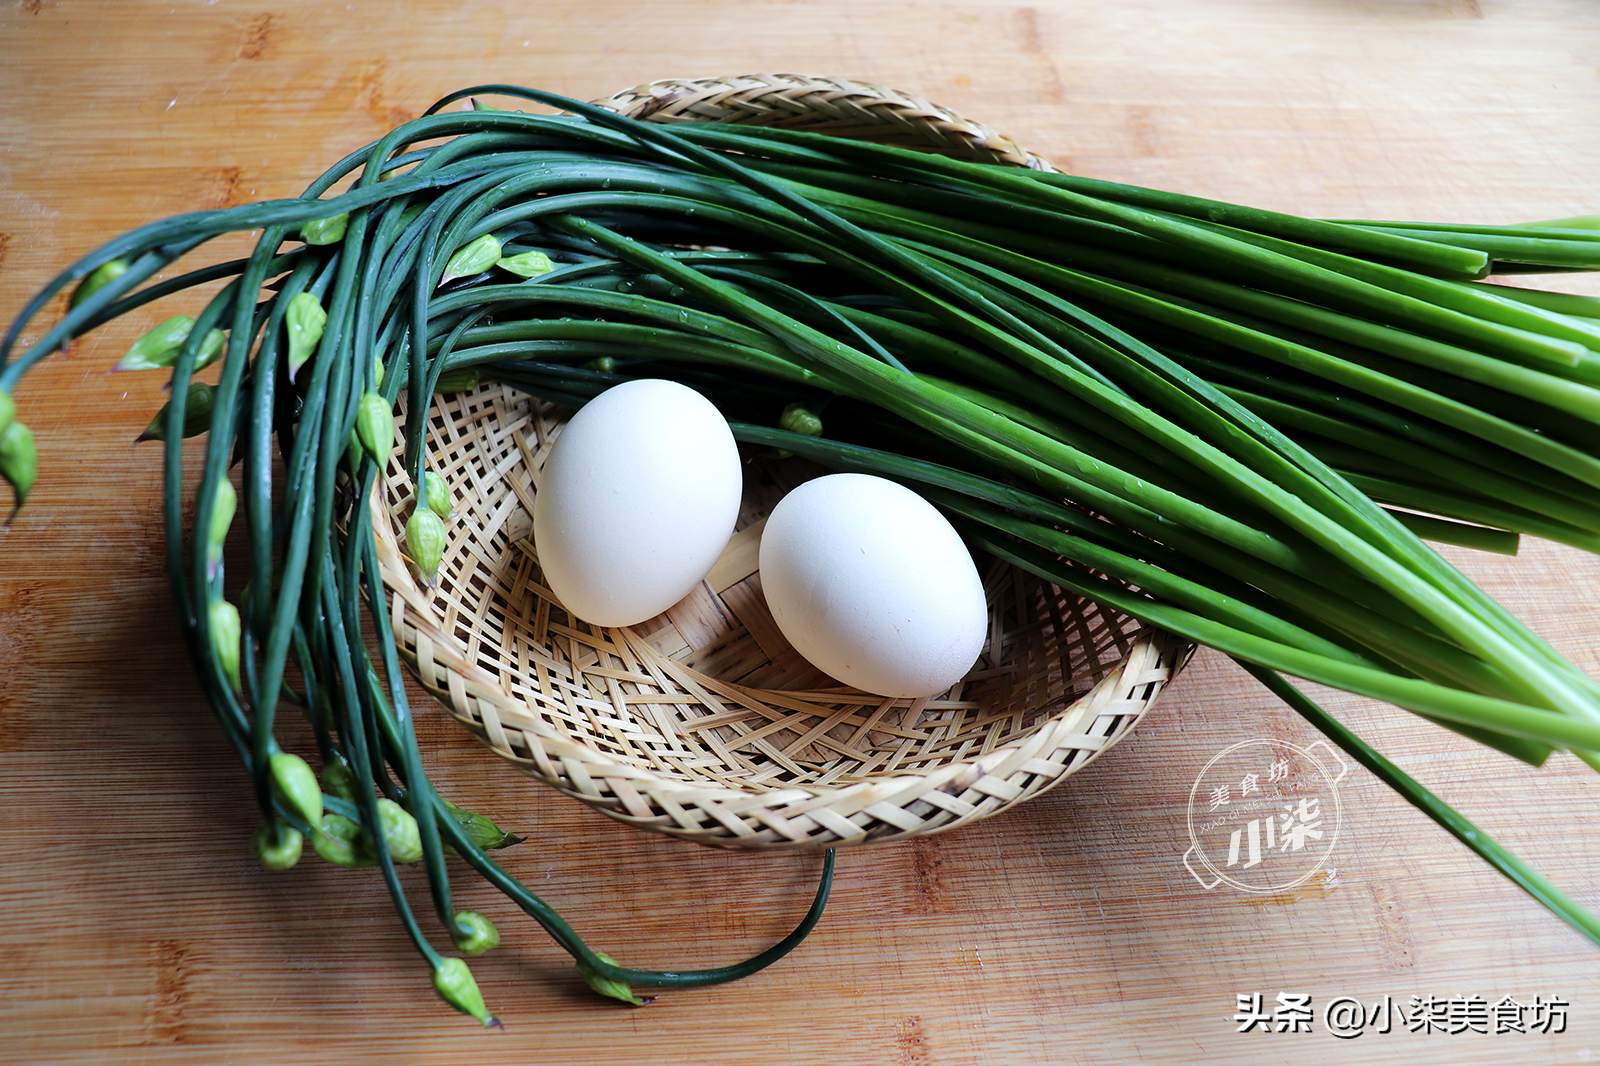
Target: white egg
point(636, 501)
point(871, 584)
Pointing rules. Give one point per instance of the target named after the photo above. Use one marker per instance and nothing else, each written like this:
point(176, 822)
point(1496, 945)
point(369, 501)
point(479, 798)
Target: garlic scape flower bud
point(425, 541)
point(526, 264)
point(19, 460)
point(221, 519)
point(375, 426)
point(325, 230)
point(400, 834)
point(471, 258)
point(282, 855)
point(798, 418)
point(159, 348)
point(453, 981)
point(295, 786)
point(480, 829)
point(456, 381)
point(437, 493)
point(304, 321)
point(98, 279)
point(338, 780)
point(605, 985)
point(225, 634)
point(200, 399)
point(342, 841)
point(473, 934)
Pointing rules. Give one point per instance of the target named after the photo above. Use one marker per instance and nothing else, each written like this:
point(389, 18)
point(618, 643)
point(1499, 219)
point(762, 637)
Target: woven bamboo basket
point(703, 723)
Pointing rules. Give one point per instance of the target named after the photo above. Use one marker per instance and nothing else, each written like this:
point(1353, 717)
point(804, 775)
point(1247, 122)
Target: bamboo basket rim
point(667, 726)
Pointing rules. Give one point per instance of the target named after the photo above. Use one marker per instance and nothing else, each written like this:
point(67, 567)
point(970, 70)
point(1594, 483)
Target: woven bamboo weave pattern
point(835, 106)
point(704, 723)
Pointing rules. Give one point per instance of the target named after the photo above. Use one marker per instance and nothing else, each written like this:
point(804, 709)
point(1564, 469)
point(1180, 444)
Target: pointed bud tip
point(453, 981)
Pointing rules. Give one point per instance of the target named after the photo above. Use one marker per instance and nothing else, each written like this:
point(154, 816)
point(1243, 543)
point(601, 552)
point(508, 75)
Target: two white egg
point(865, 578)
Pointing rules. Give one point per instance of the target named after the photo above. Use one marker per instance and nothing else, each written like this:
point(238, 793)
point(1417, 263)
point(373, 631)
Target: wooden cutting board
point(136, 929)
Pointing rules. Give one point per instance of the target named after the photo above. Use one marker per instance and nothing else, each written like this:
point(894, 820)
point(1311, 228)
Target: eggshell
point(871, 584)
point(636, 501)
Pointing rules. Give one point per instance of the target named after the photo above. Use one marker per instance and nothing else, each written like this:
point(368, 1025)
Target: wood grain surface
point(135, 929)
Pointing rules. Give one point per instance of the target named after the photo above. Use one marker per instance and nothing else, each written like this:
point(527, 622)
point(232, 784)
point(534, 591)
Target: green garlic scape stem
point(1237, 390)
point(1529, 880)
